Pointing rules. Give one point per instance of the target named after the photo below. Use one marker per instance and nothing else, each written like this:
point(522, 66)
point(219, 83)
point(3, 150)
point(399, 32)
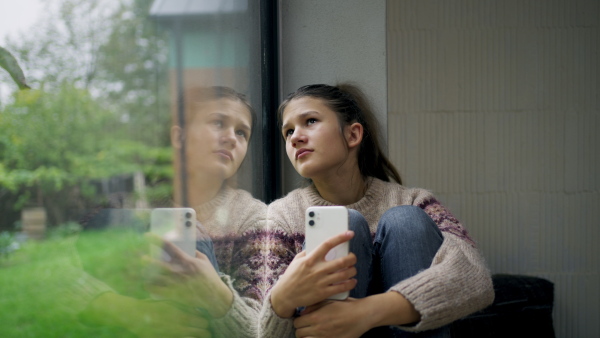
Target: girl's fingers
point(339, 263)
point(200, 255)
point(171, 249)
point(321, 251)
point(339, 276)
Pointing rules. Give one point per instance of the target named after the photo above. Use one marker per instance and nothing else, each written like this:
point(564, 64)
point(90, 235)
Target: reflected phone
point(178, 226)
point(323, 223)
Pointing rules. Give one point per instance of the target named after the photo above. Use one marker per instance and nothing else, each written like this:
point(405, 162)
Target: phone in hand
point(323, 223)
point(178, 226)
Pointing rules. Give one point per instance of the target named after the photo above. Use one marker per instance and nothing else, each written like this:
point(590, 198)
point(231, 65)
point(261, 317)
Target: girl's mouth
point(224, 153)
point(302, 152)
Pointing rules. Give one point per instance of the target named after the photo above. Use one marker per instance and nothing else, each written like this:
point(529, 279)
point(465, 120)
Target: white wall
point(494, 105)
point(333, 41)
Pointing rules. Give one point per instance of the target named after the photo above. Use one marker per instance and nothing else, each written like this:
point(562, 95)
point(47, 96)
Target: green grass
point(36, 294)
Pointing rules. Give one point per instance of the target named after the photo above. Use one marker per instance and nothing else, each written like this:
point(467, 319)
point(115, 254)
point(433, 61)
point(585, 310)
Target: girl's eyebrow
point(228, 117)
point(300, 116)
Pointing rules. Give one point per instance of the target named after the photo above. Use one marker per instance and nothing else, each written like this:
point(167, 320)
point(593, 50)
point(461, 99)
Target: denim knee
point(408, 221)
point(362, 246)
point(406, 242)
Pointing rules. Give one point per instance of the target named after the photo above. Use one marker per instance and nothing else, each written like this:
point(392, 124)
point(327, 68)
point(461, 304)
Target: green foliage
point(10, 64)
point(100, 110)
point(132, 71)
point(110, 48)
point(7, 244)
point(56, 140)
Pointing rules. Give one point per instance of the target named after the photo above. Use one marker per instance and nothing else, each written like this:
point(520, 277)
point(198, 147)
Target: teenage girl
point(413, 267)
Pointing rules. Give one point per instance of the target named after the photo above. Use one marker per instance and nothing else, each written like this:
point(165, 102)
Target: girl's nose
point(297, 137)
point(228, 137)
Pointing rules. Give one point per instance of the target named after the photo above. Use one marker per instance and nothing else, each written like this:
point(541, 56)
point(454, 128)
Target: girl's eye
point(289, 133)
point(242, 134)
point(311, 121)
point(218, 123)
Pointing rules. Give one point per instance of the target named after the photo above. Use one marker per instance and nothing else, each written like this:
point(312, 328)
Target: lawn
point(39, 296)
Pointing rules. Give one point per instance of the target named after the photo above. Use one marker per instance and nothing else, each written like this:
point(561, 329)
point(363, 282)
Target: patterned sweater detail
point(235, 222)
point(457, 283)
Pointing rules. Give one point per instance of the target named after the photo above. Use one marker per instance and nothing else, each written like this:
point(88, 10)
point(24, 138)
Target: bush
point(7, 244)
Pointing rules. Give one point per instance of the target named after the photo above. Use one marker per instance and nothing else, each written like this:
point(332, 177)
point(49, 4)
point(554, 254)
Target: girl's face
point(217, 138)
point(313, 141)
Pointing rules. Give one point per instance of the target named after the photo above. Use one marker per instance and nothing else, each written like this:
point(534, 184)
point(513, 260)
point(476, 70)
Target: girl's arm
point(354, 317)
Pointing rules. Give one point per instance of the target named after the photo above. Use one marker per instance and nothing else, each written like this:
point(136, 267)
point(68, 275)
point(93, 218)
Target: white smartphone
point(323, 223)
point(178, 226)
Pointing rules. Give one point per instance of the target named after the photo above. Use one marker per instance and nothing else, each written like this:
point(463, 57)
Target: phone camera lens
point(188, 214)
point(311, 214)
point(311, 222)
point(188, 224)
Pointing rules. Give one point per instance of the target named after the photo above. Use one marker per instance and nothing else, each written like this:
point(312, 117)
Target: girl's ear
point(177, 137)
point(353, 134)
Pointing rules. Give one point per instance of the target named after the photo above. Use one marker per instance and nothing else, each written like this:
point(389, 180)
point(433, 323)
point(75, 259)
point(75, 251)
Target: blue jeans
point(405, 243)
point(205, 246)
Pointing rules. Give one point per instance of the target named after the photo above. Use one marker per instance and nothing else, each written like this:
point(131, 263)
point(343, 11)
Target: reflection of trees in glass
point(99, 109)
point(53, 143)
point(11, 65)
point(110, 48)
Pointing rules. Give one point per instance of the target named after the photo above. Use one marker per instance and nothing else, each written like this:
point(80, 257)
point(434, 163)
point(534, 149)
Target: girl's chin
point(215, 173)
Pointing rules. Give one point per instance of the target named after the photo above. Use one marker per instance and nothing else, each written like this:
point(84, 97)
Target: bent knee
point(408, 220)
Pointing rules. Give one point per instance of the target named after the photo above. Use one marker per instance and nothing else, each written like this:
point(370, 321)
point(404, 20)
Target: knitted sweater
point(235, 222)
point(456, 284)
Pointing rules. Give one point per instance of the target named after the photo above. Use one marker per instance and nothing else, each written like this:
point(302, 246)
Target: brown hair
point(351, 105)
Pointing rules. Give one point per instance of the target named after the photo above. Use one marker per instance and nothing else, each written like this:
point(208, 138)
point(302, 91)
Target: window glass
point(108, 110)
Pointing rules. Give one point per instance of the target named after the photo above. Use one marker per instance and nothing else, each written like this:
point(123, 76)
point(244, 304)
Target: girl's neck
point(342, 189)
point(202, 189)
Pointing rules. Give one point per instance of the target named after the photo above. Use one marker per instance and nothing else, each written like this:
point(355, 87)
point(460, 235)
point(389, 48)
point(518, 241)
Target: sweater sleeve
point(457, 283)
point(280, 249)
point(240, 319)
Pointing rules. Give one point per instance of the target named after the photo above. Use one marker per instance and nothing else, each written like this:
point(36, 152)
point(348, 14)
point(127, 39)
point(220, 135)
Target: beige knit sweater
point(457, 283)
point(235, 222)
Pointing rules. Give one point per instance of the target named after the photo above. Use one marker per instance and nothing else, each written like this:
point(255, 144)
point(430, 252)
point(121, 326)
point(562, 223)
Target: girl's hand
point(192, 281)
point(331, 318)
point(144, 318)
point(354, 317)
point(310, 279)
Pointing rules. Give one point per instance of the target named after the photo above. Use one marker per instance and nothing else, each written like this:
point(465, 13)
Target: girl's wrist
point(279, 306)
point(221, 307)
point(389, 308)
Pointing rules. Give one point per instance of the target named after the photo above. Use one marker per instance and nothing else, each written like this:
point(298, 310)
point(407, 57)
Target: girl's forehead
point(231, 108)
point(303, 105)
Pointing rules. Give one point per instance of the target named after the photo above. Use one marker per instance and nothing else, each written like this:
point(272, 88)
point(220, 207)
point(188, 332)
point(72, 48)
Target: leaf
point(10, 64)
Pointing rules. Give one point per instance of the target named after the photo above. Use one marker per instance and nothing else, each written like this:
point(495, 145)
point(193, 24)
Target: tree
point(100, 107)
point(111, 49)
point(53, 143)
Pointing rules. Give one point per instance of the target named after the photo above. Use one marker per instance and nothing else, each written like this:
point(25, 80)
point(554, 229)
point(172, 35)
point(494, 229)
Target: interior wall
point(494, 106)
point(333, 41)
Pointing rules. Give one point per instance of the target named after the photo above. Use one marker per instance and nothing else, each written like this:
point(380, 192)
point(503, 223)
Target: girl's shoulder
point(288, 211)
point(396, 194)
point(241, 197)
